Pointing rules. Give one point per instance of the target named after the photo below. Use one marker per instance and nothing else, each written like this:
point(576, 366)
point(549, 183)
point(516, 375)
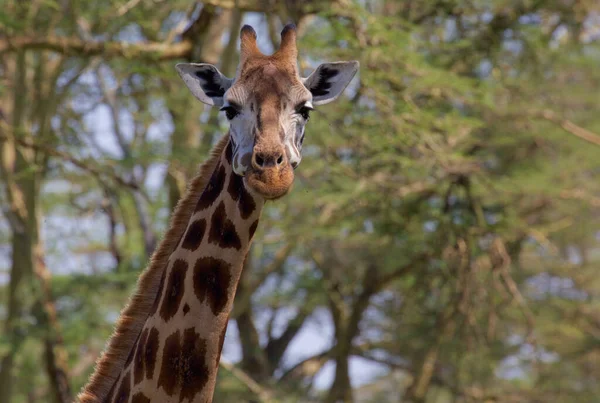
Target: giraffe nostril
point(268, 159)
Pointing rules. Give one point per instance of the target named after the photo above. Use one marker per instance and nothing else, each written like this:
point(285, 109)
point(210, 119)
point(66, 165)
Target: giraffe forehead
point(270, 69)
point(267, 81)
point(267, 64)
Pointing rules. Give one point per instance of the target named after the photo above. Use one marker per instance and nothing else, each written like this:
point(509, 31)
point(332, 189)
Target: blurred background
point(441, 243)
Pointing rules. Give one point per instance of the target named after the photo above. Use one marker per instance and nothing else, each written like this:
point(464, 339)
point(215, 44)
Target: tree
point(443, 224)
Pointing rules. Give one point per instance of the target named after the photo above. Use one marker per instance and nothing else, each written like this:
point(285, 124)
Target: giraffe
point(167, 342)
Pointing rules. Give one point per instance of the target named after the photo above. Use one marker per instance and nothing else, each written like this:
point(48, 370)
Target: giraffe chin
point(271, 183)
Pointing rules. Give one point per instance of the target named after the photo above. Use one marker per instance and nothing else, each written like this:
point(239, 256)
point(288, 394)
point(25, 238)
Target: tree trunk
point(14, 329)
point(254, 361)
point(417, 392)
point(26, 293)
point(56, 355)
point(341, 389)
point(29, 289)
point(206, 34)
point(346, 321)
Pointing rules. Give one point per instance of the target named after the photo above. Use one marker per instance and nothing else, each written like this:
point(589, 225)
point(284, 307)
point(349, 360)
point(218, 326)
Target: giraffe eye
point(303, 109)
point(305, 112)
point(230, 112)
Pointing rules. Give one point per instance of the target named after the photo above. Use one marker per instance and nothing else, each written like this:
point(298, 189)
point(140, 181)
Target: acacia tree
point(434, 162)
point(438, 205)
point(61, 62)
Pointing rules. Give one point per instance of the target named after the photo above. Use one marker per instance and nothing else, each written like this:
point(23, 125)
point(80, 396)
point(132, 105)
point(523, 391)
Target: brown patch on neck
point(174, 291)
point(222, 230)
point(129, 326)
point(212, 281)
point(140, 398)
point(183, 368)
point(138, 369)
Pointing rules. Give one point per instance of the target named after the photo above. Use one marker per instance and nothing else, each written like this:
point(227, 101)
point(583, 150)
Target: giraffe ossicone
point(168, 340)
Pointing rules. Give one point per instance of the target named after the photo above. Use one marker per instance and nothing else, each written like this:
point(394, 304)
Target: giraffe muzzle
point(270, 179)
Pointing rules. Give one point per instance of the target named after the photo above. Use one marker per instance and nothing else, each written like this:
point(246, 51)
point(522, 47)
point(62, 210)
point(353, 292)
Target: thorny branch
point(571, 127)
point(66, 45)
point(502, 263)
point(80, 164)
point(160, 51)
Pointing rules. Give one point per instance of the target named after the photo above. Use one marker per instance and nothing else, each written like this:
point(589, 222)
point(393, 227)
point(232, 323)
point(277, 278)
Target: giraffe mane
point(134, 315)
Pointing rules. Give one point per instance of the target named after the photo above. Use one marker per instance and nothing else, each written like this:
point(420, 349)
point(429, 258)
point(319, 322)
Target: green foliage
point(446, 206)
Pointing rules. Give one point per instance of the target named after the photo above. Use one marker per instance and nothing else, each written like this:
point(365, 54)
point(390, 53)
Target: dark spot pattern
point(174, 290)
point(236, 184)
point(212, 279)
point(138, 369)
point(186, 309)
point(213, 189)
point(150, 352)
point(323, 84)
point(222, 230)
point(253, 228)
point(194, 235)
point(210, 82)
point(183, 366)
point(122, 395)
point(170, 364)
point(237, 191)
point(246, 204)
point(159, 293)
point(140, 398)
point(193, 370)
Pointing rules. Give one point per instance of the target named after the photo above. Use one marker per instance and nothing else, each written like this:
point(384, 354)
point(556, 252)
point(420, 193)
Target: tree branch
point(245, 291)
point(263, 394)
point(158, 51)
point(278, 260)
point(308, 367)
point(580, 194)
point(571, 127)
point(75, 46)
point(386, 278)
point(64, 156)
point(276, 347)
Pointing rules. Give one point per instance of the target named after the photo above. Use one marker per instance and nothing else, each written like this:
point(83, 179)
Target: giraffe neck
point(176, 355)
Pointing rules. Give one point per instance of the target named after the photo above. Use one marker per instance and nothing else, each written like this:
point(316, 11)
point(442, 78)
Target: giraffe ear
point(205, 82)
point(329, 80)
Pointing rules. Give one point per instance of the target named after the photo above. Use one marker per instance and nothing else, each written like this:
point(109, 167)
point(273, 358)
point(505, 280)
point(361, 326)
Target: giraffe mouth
point(271, 183)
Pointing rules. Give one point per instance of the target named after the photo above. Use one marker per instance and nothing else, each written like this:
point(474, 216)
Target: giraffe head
point(267, 104)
